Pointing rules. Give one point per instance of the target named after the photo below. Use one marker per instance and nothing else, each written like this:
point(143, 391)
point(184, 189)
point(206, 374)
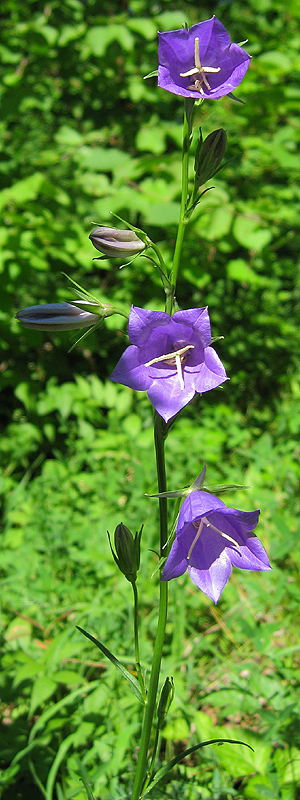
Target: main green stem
point(141, 770)
point(136, 642)
point(183, 220)
point(159, 439)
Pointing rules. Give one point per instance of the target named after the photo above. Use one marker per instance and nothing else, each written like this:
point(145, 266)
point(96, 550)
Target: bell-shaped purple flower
point(58, 316)
point(210, 538)
point(170, 358)
point(201, 62)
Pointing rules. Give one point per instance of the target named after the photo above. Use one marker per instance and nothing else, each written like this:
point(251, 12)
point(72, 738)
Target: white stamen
point(225, 535)
point(176, 358)
point(199, 70)
point(179, 371)
point(199, 531)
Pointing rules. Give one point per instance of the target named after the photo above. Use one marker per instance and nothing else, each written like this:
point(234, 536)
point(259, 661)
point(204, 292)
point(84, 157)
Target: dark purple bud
point(57, 316)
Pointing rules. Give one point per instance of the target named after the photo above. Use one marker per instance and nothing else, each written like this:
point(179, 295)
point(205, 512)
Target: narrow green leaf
point(60, 755)
point(163, 771)
point(131, 680)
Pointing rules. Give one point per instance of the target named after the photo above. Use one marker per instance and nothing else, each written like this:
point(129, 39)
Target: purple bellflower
point(210, 538)
point(170, 358)
point(201, 62)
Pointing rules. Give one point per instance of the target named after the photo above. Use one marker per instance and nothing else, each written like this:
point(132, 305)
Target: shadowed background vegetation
point(84, 136)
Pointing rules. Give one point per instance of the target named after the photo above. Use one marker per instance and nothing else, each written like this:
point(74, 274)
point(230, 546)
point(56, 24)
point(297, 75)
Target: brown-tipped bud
point(115, 243)
point(209, 155)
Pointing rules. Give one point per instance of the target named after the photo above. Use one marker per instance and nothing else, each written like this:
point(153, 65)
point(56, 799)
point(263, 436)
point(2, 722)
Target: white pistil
point(204, 521)
point(176, 358)
point(199, 70)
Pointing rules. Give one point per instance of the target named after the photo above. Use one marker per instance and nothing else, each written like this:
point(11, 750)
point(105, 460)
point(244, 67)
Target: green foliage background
point(82, 135)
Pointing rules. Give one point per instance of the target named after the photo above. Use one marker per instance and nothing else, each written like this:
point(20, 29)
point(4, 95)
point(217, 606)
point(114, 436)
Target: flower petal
point(142, 321)
point(196, 505)
point(251, 556)
point(198, 318)
point(129, 371)
point(213, 580)
point(211, 374)
point(177, 562)
point(167, 396)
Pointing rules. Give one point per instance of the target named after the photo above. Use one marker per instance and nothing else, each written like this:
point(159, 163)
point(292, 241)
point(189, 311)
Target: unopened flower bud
point(127, 555)
point(209, 155)
point(165, 700)
point(115, 243)
point(57, 317)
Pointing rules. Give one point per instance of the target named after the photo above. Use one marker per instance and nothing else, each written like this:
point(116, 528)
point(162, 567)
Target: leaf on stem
point(163, 771)
point(131, 680)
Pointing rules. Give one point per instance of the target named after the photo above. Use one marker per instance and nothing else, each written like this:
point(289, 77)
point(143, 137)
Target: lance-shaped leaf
point(130, 678)
point(167, 767)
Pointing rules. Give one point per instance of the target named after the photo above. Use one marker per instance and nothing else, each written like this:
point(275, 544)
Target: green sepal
point(141, 234)
point(189, 104)
point(153, 74)
point(98, 307)
point(160, 564)
point(131, 680)
point(237, 99)
point(164, 770)
point(200, 478)
point(86, 333)
point(196, 202)
point(221, 488)
point(208, 157)
point(183, 492)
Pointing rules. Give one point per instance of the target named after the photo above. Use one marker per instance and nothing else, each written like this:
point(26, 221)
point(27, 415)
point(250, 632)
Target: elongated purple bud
point(115, 243)
point(57, 317)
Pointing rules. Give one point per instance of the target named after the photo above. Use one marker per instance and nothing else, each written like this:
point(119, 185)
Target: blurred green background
point(83, 135)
